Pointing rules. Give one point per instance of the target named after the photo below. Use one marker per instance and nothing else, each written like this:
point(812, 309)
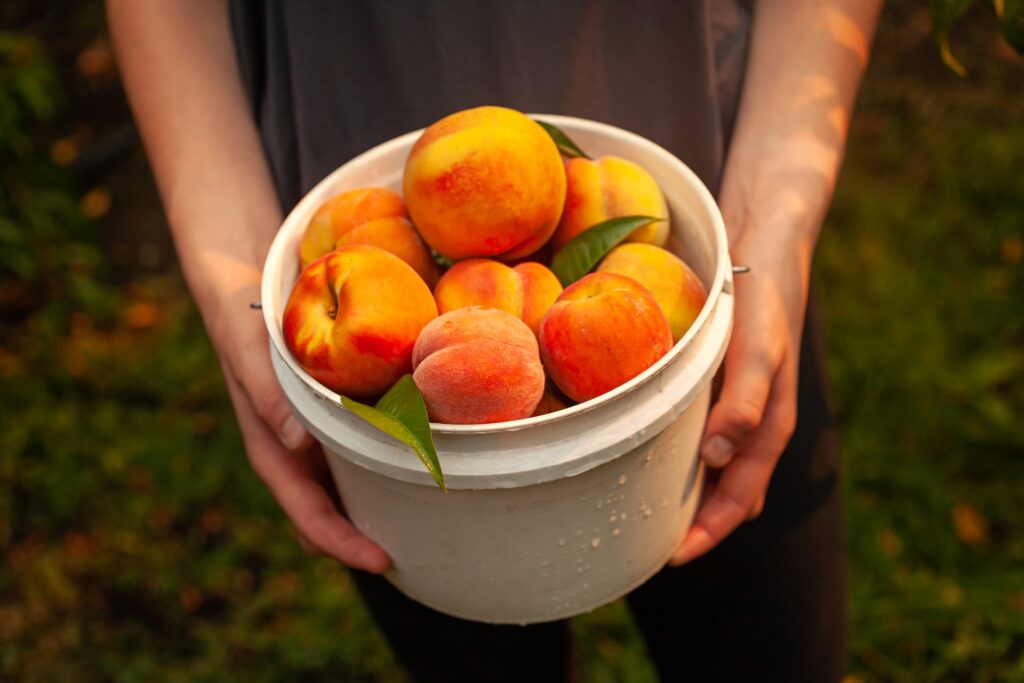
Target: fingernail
point(373, 561)
point(718, 451)
point(292, 433)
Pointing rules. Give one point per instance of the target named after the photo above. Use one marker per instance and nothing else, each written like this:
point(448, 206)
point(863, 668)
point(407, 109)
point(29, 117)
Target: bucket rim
point(314, 197)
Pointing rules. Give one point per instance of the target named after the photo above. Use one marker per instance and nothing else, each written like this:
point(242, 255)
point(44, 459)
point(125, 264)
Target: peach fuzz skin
point(353, 317)
point(485, 182)
point(526, 291)
point(675, 287)
point(369, 215)
point(478, 365)
point(604, 330)
point(597, 191)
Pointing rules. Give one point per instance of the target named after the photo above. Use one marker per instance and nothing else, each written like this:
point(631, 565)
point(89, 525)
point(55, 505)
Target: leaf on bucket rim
point(579, 256)
point(401, 413)
point(564, 143)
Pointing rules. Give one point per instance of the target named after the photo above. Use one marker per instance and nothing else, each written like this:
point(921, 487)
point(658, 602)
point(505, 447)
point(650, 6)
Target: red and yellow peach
point(610, 187)
point(526, 291)
point(677, 289)
point(370, 215)
point(602, 331)
point(485, 182)
point(353, 317)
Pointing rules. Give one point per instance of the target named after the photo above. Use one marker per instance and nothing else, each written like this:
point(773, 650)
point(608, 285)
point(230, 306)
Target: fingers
point(250, 367)
point(756, 511)
point(739, 408)
point(739, 492)
point(751, 365)
point(304, 501)
point(292, 478)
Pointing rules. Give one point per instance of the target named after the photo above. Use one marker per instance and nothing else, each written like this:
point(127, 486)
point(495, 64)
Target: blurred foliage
point(139, 546)
point(48, 256)
point(922, 275)
point(946, 13)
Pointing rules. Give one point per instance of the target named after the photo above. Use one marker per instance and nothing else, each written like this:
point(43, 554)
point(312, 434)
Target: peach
point(476, 365)
point(604, 330)
point(597, 191)
point(677, 289)
point(353, 317)
point(526, 290)
point(369, 215)
point(487, 181)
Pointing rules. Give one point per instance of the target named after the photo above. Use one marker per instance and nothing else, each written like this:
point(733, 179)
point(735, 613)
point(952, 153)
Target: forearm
point(805, 64)
point(182, 80)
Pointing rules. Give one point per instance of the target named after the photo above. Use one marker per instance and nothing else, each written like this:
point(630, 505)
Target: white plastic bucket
point(549, 516)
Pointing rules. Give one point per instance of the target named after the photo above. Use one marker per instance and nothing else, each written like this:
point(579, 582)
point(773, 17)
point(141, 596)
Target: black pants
point(769, 604)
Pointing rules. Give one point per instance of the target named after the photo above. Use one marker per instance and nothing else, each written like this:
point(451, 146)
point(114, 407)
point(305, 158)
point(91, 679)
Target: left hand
point(755, 414)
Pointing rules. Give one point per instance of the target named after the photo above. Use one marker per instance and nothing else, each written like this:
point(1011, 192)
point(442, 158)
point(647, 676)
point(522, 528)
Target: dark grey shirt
point(329, 79)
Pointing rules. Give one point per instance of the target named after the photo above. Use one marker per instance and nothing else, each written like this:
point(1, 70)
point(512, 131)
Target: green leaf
point(1011, 16)
point(944, 14)
point(440, 259)
point(401, 413)
point(583, 251)
point(564, 143)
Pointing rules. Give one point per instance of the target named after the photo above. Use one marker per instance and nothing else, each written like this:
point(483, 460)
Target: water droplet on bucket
point(545, 563)
point(561, 541)
point(586, 585)
point(622, 516)
point(595, 542)
point(664, 502)
point(612, 518)
point(622, 479)
point(615, 532)
point(579, 532)
point(647, 512)
point(600, 504)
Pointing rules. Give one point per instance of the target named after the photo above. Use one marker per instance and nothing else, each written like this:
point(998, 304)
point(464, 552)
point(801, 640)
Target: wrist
point(774, 201)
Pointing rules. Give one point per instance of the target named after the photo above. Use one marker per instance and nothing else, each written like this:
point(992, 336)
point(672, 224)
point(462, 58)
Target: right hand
point(280, 450)
point(220, 201)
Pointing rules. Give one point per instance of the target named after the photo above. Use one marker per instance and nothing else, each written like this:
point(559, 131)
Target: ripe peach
point(604, 330)
point(607, 188)
point(476, 365)
point(353, 317)
point(369, 215)
point(526, 291)
point(678, 290)
point(485, 182)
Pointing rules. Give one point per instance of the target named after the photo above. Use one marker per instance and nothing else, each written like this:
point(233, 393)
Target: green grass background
point(138, 546)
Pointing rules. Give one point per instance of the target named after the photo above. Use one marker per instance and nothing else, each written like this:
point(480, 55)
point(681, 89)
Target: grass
point(139, 546)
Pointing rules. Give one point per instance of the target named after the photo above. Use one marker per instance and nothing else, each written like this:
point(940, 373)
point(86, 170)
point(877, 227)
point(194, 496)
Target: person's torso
point(330, 79)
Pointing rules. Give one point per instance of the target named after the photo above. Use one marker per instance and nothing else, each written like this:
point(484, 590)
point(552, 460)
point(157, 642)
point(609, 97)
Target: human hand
point(755, 413)
point(279, 449)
